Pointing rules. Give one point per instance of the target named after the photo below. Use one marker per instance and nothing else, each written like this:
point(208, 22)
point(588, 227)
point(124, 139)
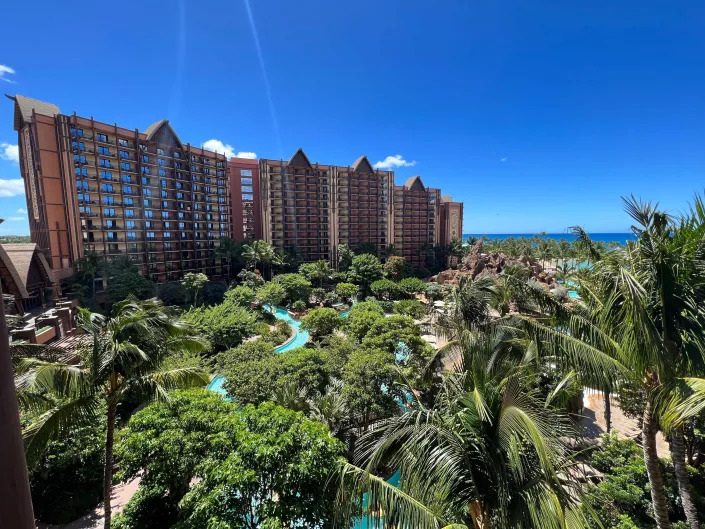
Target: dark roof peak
point(363, 165)
point(25, 105)
point(299, 158)
point(414, 183)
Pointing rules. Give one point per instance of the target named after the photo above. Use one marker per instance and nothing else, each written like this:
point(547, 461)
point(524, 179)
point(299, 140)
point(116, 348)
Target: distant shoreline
point(597, 237)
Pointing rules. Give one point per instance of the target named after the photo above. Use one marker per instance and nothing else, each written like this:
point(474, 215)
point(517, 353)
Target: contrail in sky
point(275, 124)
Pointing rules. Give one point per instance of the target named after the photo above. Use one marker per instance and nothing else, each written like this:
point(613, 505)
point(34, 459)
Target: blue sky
point(538, 115)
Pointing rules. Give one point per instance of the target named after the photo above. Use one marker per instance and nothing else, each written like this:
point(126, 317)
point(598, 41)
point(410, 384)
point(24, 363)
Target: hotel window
point(148, 224)
point(145, 170)
point(150, 235)
point(247, 189)
point(143, 147)
point(183, 236)
point(84, 197)
point(126, 179)
point(125, 166)
point(105, 163)
point(162, 172)
point(161, 162)
point(179, 195)
point(147, 192)
point(180, 215)
point(167, 235)
point(106, 175)
point(123, 142)
point(125, 155)
point(148, 214)
point(112, 236)
point(131, 236)
point(219, 173)
point(145, 158)
point(102, 137)
point(127, 201)
point(109, 201)
point(76, 132)
point(164, 194)
point(79, 158)
point(129, 212)
point(146, 181)
point(130, 224)
point(167, 225)
point(193, 168)
point(165, 204)
point(247, 196)
point(181, 225)
point(127, 190)
point(108, 212)
point(78, 145)
point(84, 209)
point(104, 150)
point(222, 199)
point(245, 172)
point(106, 188)
point(109, 224)
point(81, 171)
point(220, 182)
point(82, 185)
point(206, 170)
point(160, 152)
point(221, 164)
point(177, 154)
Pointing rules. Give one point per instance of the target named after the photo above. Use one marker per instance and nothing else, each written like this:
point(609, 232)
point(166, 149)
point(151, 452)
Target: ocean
point(602, 237)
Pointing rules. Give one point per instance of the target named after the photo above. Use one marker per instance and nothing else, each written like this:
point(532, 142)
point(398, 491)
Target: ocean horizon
point(620, 238)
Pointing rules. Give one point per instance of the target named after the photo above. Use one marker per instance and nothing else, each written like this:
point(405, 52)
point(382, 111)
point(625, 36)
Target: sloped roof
point(299, 158)
point(17, 260)
point(414, 183)
point(363, 165)
point(155, 127)
point(25, 105)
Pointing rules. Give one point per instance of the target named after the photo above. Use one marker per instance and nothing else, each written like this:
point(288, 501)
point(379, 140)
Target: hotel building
point(318, 207)
point(93, 186)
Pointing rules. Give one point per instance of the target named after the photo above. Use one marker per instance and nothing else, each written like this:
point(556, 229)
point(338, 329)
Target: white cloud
point(503, 159)
point(10, 152)
point(4, 70)
point(392, 162)
point(11, 188)
point(22, 210)
point(16, 219)
point(229, 151)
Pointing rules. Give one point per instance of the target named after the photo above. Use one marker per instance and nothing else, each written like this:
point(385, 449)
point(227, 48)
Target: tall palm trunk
point(658, 492)
point(686, 492)
point(108, 469)
point(608, 411)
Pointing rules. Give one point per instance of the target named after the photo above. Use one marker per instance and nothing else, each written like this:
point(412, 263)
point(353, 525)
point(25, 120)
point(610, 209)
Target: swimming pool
point(573, 294)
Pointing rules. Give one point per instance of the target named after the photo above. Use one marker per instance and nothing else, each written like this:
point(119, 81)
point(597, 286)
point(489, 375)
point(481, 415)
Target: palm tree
point(490, 454)
point(125, 359)
point(90, 264)
point(647, 298)
point(231, 251)
point(258, 252)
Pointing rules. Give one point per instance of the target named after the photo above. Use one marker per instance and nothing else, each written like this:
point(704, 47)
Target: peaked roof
point(415, 183)
point(363, 165)
point(157, 126)
point(16, 260)
point(25, 105)
point(300, 159)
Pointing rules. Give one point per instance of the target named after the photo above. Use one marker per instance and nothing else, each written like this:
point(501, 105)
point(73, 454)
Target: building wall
point(246, 215)
point(451, 221)
point(93, 186)
point(416, 222)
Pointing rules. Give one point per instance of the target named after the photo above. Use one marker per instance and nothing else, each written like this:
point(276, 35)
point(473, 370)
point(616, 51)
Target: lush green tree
point(194, 283)
point(213, 293)
point(490, 454)
point(204, 465)
point(369, 385)
point(345, 257)
point(90, 265)
point(124, 284)
point(364, 270)
point(336, 351)
point(296, 287)
point(251, 279)
point(359, 322)
point(67, 480)
point(172, 293)
point(317, 273)
point(367, 248)
point(395, 267)
point(411, 307)
point(412, 286)
point(277, 475)
point(386, 289)
point(254, 372)
point(124, 361)
point(240, 295)
point(225, 325)
point(258, 252)
point(271, 294)
point(231, 251)
point(320, 323)
point(347, 291)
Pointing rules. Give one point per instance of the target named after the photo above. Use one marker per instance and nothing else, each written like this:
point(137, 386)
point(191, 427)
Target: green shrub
point(320, 322)
point(241, 295)
point(411, 307)
point(296, 287)
point(225, 325)
point(298, 305)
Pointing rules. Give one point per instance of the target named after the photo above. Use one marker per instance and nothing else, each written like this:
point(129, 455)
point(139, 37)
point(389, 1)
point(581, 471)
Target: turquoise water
point(573, 294)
